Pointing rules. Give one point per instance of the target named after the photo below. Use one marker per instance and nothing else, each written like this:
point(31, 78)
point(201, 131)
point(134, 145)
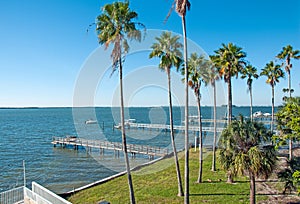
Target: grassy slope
point(152, 186)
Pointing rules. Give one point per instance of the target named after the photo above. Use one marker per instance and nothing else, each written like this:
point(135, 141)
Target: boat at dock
point(127, 123)
point(259, 114)
point(90, 121)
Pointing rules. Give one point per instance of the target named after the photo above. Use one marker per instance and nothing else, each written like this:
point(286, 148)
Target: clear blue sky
point(44, 45)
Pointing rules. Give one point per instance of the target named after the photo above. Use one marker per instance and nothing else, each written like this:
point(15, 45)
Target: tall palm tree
point(288, 53)
point(168, 49)
point(210, 77)
point(114, 26)
point(196, 69)
point(250, 72)
point(181, 7)
point(229, 60)
point(242, 151)
point(273, 72)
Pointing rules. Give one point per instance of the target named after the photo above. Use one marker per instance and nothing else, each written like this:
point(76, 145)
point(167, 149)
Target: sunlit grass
point(152, 186)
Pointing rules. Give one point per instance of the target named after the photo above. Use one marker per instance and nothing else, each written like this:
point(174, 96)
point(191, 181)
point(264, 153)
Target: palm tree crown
point(168, 49)
point(114, 25)
point(198, 67)
point(229, 60)
point(288, 53)
point(249, 72)
point(273, 72)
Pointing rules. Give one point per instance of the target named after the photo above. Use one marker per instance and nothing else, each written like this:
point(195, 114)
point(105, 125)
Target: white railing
point(31, 197)
point(12, 196)
point(38, 195)
point(48, 195)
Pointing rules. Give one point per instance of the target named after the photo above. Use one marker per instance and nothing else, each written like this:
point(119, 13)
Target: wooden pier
point(133, 149)
point(168, 127)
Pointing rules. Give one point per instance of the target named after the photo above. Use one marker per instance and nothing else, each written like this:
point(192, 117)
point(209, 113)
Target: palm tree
point(288, 53)
point(181, 7)
point(229, 60)
point(168, 49)
point(210, 77)
point(242, 151)
point(114, 26)
point(250, 72)
point(273, 72)
point(196, 69)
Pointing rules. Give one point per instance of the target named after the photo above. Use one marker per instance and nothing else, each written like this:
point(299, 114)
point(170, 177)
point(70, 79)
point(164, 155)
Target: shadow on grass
point(218, 194)
point(233, 194)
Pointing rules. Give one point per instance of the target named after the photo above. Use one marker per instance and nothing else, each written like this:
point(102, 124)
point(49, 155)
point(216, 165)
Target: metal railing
point(48, 195)
point(12, 196)
point(38, 195)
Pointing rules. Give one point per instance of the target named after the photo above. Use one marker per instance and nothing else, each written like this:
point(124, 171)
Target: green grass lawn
point(152, 186)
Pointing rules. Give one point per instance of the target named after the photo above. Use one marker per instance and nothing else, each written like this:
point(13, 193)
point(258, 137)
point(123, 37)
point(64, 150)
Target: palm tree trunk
point(272, 122)
point(230, 178)
point(252, 188)
point(213, 168)
point(251, 111)
point(180, 190)
point(290, 149)
point(131, 190)
point(290, 94)
point(186, 172)
point(229, 101)
point(289, 81)
point(199, 180)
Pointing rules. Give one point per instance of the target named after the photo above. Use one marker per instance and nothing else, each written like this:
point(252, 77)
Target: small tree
point(288, 118)
point(288, 124)
point(242, 151)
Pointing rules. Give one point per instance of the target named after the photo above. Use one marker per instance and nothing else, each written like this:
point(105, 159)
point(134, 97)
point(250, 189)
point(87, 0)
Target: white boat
point(90, 121)
point(257, 114)
point(71, 138)
point(126, 122)
point(260, 114)
point(267, 115)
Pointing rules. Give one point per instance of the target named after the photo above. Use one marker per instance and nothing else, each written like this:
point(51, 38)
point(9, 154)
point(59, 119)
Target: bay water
point(26, 135)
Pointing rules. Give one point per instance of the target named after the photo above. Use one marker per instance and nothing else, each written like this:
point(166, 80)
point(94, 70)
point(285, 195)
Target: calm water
point(26, 134)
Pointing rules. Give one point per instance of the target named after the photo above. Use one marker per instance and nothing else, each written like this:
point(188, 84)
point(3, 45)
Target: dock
point(168, 127)
point(133, 149)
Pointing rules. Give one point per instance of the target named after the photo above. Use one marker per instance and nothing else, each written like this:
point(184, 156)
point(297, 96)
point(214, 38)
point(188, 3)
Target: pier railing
point(116, 146)
point(168, 127)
